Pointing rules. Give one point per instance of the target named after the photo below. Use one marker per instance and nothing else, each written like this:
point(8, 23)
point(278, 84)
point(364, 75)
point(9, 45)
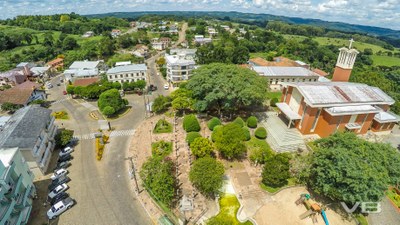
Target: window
point(339, 122)
point(110, 77)
point(315, 120)
point(115, 76)
point(126, 75)
point(120, 75)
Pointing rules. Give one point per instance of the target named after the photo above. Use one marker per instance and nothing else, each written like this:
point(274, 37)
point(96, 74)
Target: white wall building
point(84, 69)
point(179, 68)
point(127, 73)
point(276, 75)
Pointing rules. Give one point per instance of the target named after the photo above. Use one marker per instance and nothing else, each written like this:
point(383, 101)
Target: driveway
point(101, 188)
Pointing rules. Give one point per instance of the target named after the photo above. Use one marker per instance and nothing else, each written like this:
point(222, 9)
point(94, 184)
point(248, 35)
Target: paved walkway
point(388, 216)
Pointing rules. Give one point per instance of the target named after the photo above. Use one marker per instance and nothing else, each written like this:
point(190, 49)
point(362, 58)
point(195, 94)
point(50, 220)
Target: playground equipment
point(313, 209)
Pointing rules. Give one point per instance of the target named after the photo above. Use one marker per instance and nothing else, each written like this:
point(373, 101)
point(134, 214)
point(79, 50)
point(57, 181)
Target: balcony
point(25, 214)
point(6, 173)
point(5, 211)
point(17, 186)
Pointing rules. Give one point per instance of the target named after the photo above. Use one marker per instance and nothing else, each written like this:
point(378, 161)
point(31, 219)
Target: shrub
point(201, 147)
point(252, 122)
point(60, 115)
point(239, 121)
point(162, 126)
point(260, 133)
point(108, 111)
point(215, 131)
point(191, 136)
point(258, 150)
point(206, 175)
point(274, 101)
point(190, 123)
point(229, 141)
point(276, 170)
point(63, 137)
point(161, 148)
point(213, 123)
point(246, 133)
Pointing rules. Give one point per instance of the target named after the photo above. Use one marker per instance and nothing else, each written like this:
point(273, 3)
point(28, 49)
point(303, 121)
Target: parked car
point(62, 165)
point(49, 85)
point(59, 197)
point(64, 92)
point(166, 86)
point(59, 173)
point(58, 84)
point(66, 151)
point(65, 158)
point(61, 180)
point(60, 188)
point(152, 87)
point(60, 207)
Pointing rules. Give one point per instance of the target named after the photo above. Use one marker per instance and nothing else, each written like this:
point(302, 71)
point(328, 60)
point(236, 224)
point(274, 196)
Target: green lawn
point(291, 182)
point(385, 60)
point(272, 95)
point(229, 206)
point(394, 197)
point(259, 54)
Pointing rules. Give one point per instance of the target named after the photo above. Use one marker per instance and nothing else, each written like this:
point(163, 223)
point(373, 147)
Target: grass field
point(291, 182)
point(382, 60)
point(229, 206)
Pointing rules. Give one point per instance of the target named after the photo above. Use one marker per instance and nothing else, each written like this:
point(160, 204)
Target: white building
point(200, 39)
point(84, 69)
point(276, 75)
point(179, 68)
point(189, 53)
point(127, 73)
point(32, 130)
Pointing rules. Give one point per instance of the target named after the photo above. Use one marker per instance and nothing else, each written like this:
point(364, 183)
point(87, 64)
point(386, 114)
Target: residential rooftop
point(24, 127)
point(282, 71)
point(19, 94)
point(127, 68)
point(84, 65)
point(178, 60)
point(341, 93)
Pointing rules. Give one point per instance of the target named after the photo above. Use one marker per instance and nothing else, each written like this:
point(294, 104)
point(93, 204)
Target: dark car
point(152, 88)
point(62, 165)
point(56, 182)
point(64, 158)
point(59, 197)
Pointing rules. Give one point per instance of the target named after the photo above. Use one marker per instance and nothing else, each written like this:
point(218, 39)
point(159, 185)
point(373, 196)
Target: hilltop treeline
point(67, 23)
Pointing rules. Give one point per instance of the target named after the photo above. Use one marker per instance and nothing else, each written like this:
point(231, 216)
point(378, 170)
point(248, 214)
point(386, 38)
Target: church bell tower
point(345, 63)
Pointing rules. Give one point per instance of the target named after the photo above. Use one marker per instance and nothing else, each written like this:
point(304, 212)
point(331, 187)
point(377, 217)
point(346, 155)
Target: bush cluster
point(213, 122)
point(260, 133)
point(190, 123)
point(239, 121)
point(191, 136)
point(252, 122)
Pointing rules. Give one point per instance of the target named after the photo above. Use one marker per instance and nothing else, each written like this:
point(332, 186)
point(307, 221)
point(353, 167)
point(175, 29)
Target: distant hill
point(261, 18)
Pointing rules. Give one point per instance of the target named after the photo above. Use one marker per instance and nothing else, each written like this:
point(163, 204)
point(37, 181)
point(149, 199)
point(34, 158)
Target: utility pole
point(132, 172)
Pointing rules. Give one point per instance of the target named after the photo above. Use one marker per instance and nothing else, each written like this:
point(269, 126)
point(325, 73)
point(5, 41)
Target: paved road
point(388, 216)
point(101, 189)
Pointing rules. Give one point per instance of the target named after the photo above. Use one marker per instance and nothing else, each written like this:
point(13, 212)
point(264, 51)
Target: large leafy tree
point(111, 98)
point(161, 103)
point(226, 88)
point(206, 175)
point(276, 170)
point(350, 169)
point(158, 177)
point(229, 140)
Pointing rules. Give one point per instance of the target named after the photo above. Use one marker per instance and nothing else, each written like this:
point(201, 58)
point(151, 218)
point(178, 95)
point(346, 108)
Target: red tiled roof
point(55, 61)
point(320, 72)
point(279, 61)
point(19, 94)
point(85, 81)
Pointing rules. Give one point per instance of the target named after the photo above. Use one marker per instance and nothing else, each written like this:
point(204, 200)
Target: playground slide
point(324, 217)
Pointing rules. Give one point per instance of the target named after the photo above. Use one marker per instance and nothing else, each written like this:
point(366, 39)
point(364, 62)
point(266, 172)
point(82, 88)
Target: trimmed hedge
point(213, 122)
point(190, 123)
point(191, 136)
point(260, 133)
point(274, 101)
point(215, 131)
point(252, 122)
point(239, 121)
point(246, 133)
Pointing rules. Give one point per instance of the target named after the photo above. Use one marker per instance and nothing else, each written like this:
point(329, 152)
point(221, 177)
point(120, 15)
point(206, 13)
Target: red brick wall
point(341, 74)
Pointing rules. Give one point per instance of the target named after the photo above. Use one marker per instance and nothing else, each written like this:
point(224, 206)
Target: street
point(101, 188)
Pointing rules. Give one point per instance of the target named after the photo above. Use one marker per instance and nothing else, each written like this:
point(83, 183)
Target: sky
point(381, 13)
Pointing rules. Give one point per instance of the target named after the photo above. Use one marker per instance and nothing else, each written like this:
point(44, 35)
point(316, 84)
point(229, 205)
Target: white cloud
point(383, 13)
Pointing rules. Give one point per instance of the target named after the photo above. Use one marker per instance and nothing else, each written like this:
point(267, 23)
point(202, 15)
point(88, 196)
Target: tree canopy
point(201, 147)
point(226, 88)
point(229, 140)
point(276, 170)
point(206, 175)
point(350, 169)
point(110, 99)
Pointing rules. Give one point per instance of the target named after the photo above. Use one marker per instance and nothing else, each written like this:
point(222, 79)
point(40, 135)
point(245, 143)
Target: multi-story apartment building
point(32, 130)
point(127, 73)
point(16, 188)
point(179, 68)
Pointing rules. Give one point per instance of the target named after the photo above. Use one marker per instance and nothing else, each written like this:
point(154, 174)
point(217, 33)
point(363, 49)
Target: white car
point(59, 173)
point(60, 188)
point(166, 86)
point(66, 151)
point(60, 207)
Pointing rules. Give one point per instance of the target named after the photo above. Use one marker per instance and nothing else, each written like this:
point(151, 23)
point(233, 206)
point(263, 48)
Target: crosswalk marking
point(89, 106)
point(115, 133)
point(61, 100)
